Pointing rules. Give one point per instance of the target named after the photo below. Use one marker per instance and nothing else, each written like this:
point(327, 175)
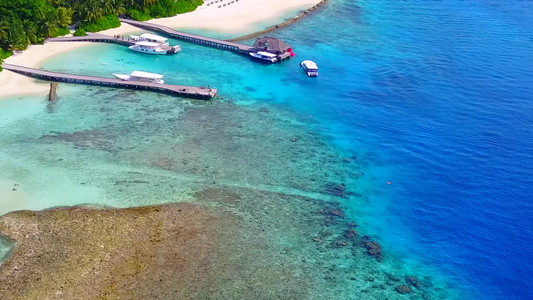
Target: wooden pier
point(192, 38)
point(176, 90)
point(93, 37)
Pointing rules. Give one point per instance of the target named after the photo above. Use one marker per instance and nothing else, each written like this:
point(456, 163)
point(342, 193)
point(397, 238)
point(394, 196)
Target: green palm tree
point(118, 7)
point(41, 12)
point(16, 42)
point(49, 28)
point(95, 14)
point(64, 17)
point(120, 10)
point(140, 4)
point(31, 31)
point(4, 29)
point(57, 2)
point(150, 2)
point(106, 6)
point(50, 24)
point(79, 11)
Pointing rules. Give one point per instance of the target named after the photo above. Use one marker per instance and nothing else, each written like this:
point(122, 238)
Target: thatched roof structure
point(271, 44)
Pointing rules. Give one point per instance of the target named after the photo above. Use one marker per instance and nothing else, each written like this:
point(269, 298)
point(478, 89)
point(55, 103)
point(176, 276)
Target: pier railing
point(94, 37)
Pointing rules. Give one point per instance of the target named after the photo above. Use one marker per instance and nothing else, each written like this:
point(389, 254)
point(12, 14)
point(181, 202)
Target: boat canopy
point(147, 44)
point(267, 54)
point(146, 75)
point(153, 37)
point(310, 64)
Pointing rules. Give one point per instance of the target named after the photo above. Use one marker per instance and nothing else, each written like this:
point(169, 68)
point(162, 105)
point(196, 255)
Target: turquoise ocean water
point(433, 97)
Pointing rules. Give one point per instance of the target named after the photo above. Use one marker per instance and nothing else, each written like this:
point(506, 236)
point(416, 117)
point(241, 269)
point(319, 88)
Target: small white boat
point(141, 76)
point(148, 47)
point(310, 68)
point(264, 56)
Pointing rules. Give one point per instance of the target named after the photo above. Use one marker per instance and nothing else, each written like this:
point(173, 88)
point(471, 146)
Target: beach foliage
point(162, 9)
point(3, 55)
point(80, 32)
point(25, 22)
point(110, 21)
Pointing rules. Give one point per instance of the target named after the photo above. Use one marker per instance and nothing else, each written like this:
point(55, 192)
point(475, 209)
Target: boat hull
point(148, 51)
point(263, 60)
point(311, 74)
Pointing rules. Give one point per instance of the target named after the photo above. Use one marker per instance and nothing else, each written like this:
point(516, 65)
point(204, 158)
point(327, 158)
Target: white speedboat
point(310, 68)
point(264, 56)
point(149, 47)
point(141, 76)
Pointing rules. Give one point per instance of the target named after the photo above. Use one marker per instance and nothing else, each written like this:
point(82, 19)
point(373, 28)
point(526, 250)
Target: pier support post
point(52, 93)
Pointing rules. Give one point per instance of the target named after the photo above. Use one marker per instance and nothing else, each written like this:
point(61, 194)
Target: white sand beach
point(234, 17)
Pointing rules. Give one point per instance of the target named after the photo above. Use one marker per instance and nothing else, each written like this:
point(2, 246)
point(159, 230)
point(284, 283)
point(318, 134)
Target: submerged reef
point(226, 244)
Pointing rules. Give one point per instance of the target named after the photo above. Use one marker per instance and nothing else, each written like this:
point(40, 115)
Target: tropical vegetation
point(25, 22)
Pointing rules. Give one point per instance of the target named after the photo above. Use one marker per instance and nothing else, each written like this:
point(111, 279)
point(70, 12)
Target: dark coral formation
point(338, 190)
point(412, 280)
point(333, 212)
point(374, 249)
point(352, 224)
point(339, 244)
point(404, 289)
point(350, 233)
point(101, 139)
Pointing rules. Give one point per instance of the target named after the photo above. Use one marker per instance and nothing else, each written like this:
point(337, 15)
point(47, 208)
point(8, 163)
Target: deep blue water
point(435, 97)
point(441, 92)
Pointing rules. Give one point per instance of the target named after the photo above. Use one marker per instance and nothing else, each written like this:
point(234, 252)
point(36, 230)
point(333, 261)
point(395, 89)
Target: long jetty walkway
point(93, 37)
point(192, 38)
point(177, 90)
point(102, 38)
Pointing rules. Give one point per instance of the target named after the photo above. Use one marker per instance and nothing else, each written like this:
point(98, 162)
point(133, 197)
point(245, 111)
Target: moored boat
point(264, 56)
point(152, 44)
point(148, 47)
point(310, 68)
point(141, 76)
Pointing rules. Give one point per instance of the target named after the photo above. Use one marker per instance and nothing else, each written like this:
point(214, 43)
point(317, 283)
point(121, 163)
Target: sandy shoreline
point(236, 18)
